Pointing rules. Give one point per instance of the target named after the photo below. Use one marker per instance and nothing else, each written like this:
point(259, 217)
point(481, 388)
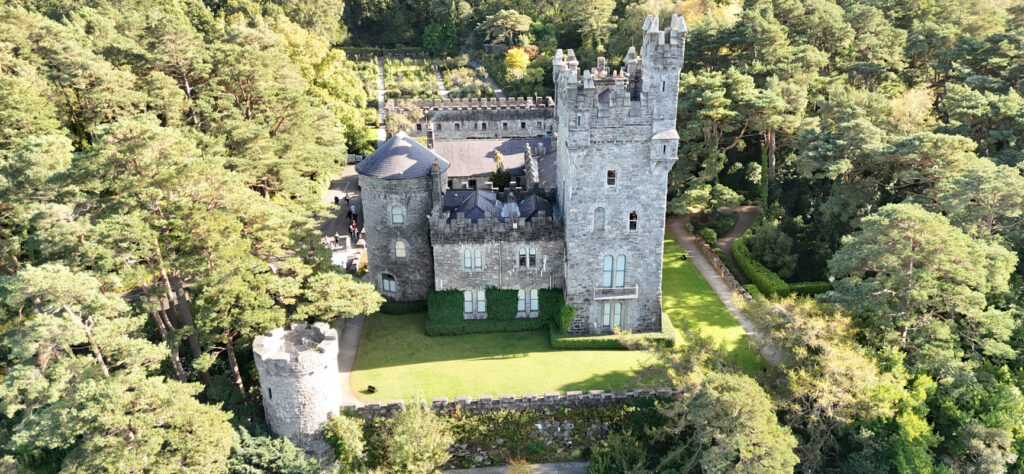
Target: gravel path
point(746, 215)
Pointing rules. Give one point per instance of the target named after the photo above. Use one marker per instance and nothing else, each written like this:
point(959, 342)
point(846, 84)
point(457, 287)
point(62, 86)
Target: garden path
point(678, 226)
point(746, 215)
point(382, 135)
point(349, 330)
point(440, 82)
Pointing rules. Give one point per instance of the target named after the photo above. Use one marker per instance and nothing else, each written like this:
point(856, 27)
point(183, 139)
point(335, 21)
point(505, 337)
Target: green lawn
point(397, 356)
point(690, 302)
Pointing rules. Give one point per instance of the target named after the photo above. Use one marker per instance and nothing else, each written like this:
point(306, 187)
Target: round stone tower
point(400, 183)
point(299, 379)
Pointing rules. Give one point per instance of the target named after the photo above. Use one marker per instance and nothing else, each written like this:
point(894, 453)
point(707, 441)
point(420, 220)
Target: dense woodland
point(161, 165)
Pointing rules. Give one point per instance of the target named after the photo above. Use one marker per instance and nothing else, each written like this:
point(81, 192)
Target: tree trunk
point(187, 320)
point(87, 327)
point(770, 142)
point(179, 370)
point(234, 365)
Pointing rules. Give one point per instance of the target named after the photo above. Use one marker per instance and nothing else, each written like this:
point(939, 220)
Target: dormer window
point(611, 178)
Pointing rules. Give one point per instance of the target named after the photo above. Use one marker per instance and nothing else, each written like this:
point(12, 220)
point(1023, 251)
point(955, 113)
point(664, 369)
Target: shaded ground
point(691, 302)
point(746, 215)
point(677, 226)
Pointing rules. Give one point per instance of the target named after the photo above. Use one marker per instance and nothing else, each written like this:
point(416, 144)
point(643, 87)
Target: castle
point(585, 211)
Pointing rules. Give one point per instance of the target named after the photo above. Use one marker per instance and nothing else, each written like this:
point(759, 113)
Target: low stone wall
point(718, 265)
point(488, 403)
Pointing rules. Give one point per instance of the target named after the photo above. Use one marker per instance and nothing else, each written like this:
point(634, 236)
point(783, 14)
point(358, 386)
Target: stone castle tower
point(616, 144)
point(299, 380)
point(398, 192)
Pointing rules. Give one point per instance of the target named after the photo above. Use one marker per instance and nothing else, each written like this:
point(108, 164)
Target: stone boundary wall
point(474, 103)
point(718, 265)
point(530, 401)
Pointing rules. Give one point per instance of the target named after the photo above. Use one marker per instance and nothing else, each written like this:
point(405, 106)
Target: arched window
point(399, 249)
point(534, 302)
point(599, 218)
point(467, 259)
point(387, 283)
point(479, 259)
point(632, 220)
point(522, 257)
point(397, 215)
point(521, 305)
point(620, 270)
point(611, 178)
point(609, 269)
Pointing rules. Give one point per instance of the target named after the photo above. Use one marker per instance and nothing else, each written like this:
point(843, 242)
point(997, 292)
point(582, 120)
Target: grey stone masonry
point(298, 370)
point(616, 145)
point(499, 242)
point(414, 272)
point(489, 403)
point(457, 119)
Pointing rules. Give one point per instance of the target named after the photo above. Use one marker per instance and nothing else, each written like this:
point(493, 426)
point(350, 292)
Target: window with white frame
point(534, 302)
point(399, 249)
point(527, 257)
point(528, 304)
point(397, 215)
point(611, 315)
point(611, 179)
point(387, 283)
point(472, 259)
point(614, 271)
point(474, 304)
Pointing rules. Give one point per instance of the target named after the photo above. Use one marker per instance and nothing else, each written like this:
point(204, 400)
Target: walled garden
point(410, 78)
point(463, 81)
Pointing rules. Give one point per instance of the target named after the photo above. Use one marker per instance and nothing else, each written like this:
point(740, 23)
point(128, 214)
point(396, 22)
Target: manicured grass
point(397, 357)
point(692, 304)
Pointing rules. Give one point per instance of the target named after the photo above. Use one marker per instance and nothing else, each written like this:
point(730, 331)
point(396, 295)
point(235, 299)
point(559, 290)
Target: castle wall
point(414, 273)
point(500, 244)
point(461, 119)
point(299, 381)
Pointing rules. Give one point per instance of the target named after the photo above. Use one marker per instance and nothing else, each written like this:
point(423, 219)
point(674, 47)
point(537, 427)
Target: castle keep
point(585, 211)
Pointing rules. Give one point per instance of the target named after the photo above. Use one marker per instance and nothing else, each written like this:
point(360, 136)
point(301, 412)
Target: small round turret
point(299, 380)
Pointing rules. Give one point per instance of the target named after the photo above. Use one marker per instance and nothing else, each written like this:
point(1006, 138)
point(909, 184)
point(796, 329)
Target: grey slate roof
point(476, 157)
point(400, 157)
point(475, 204)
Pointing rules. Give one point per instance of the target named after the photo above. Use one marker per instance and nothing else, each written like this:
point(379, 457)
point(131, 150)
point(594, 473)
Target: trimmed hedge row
point(445, 317)
point(391, 306)
point(809, 288)
point(754, 292)
point(501, 304)
point(561, 340)
point(767, 281)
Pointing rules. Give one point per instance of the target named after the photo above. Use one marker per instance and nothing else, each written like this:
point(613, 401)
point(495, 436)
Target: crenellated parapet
point(446, 228)
point(492, 103)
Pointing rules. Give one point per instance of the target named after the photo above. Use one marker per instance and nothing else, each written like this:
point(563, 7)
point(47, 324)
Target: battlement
point(300, 350)
point(444, 229)
point(473, 104)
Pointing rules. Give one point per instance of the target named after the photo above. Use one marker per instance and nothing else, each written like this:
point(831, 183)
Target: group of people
point(353, 218)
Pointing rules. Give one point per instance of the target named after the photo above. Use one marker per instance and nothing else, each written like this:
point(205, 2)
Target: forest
point(161, 170)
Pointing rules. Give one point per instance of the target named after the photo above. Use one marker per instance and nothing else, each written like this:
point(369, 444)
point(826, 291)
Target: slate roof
point(475, 204)
point(400, 157)
point(476, 157)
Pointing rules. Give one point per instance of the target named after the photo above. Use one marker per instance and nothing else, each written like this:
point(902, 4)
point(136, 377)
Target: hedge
point(444, 306)
point(770, 284)
point(561, 340)
point(810, 288)
point(565, 315)
point(709, 235)
point(754, 292)
point(501, 304)
point(391, 306)
point(480, 326)
point(551, 302)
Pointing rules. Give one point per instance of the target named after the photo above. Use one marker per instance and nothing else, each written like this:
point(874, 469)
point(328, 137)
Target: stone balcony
point(617, 293)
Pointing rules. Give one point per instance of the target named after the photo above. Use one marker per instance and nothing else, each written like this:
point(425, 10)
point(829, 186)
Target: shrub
point(345, 435)
point(444, 306)
point(265, 454)
point(810, 288)
point(565, 315)
point(766, 280)
point(616, 454)
point(419, 440)
point(391, 306)
point(773, 248)
point(666, 337)
point(551, 302)
point(752, 289)
point(709, 236)
point(501, 304)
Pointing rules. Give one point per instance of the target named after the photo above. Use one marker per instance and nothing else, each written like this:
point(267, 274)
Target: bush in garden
point(619, 453)
point(419, 440)
point(565, 316)
point(345, 435)
point(709, 235)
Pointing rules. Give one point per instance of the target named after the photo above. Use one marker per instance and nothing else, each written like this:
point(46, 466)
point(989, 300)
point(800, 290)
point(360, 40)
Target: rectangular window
point(617, 315)
point(620, 270)
point(481, 302)
point(540, 124)
point(472, 184)
point(457, 127)
point(534, 302)
point(479, 259)
point(609, 264)
point(483, 126)
point(439, 127)
point(606, 315)
point(467, 302)
point(522, 257)
point(521, 306)
point(467, 259)
point(504, 125)
point(664, 149)
point(522, 125)
point(533, 257)
point(611, 178)
point(579, 120)
point(419, 127)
